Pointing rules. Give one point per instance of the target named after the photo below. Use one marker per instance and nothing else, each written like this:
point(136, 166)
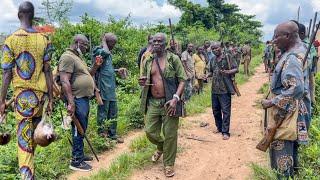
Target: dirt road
point(219, 159)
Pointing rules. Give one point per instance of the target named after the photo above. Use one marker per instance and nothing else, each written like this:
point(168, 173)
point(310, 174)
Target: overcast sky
point(269, 12)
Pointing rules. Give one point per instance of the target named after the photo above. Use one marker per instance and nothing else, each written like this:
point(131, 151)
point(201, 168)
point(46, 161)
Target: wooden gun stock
point(98, 97)
point(265, 142)
point(81, 132)
point(235, 86)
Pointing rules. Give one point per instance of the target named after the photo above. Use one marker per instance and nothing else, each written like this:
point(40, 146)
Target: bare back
point(157, 90)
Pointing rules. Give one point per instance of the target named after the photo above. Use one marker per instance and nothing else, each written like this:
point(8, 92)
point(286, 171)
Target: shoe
point(103, 134)
point(216, 131)
point(156, 156)
point(169, 171)
point(226, 137)
point(118, 140)
point(80, 166)
point(87, 158)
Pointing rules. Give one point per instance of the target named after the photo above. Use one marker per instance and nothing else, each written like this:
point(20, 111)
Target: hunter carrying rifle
point(222, 70)
point(78, 87)
point(286, 126)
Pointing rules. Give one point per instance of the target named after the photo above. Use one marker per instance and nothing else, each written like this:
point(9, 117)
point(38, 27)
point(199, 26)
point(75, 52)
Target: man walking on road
point(246, 57)
point(26, 63)
point(286, 101)
point(163, 83)
point(222, 69)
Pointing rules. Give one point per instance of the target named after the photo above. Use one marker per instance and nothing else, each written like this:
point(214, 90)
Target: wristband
point(176, 96)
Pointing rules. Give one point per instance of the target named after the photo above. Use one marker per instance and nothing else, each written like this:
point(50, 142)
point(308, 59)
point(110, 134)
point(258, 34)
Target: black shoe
point(118, 140)
point(87, 158)
point(80, 166)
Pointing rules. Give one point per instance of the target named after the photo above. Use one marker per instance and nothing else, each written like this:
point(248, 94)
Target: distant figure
point(143, 50)
point(267, 56)
point(246, 56)
point(188, 64)
point(200, 67)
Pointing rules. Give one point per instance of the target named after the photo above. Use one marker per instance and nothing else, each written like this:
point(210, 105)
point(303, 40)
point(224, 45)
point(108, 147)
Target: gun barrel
point(313, 37)
point(309, 29)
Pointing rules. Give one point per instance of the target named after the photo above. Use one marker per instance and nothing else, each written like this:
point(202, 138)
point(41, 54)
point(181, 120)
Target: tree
point(56, 11)
point(222, 17)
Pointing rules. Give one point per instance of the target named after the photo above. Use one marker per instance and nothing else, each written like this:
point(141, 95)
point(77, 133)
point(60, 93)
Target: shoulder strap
point(161, 73)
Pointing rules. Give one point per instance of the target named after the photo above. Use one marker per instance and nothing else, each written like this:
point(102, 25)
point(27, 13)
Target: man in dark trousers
point(222, 69)
point(106, 83)
point(78, 87)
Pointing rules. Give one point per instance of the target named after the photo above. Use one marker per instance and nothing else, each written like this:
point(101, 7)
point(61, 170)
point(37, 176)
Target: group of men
point(290, 98)
point(167, 79)
point(26, 63)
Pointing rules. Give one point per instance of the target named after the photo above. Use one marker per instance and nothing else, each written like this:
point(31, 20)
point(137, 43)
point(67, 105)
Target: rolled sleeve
point(66, 64)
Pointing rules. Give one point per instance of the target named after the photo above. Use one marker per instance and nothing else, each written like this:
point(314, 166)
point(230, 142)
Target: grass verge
point(140, 152)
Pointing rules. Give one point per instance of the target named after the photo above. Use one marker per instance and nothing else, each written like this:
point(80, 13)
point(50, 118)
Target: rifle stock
point(81, 132)
point(98, 97)
point(265, 142)
point(234, 83)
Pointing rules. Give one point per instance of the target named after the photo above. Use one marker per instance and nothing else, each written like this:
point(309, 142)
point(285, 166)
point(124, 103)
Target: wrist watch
point(176, 96)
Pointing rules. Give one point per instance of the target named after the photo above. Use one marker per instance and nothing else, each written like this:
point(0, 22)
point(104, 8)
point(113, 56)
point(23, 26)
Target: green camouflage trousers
point(156, 119)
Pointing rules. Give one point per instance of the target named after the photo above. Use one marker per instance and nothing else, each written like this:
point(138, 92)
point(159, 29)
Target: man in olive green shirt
point(163, 81)
point(77, 86)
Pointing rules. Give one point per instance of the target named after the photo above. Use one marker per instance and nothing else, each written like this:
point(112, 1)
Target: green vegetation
point(264, 88)
point(140, 152)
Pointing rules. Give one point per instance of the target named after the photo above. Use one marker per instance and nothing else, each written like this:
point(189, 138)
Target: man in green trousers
point(163, 83)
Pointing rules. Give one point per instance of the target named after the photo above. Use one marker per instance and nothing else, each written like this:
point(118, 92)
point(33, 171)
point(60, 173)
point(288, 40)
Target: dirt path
point(107, 157)
point(219, 159)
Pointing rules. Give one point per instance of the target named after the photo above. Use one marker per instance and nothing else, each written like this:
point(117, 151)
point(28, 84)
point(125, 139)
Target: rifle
point(270, 132)
point(313, 37)
point(234, 83)
point(96, 92)
point(309, 28)
point(264, 144)
point(171, 31)
point(81, 132)
point(314, 21)
point(265, 124)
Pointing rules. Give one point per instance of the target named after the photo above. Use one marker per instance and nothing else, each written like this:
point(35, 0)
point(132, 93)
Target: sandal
point(156, 156)
point(226, 137)
point(216, 131)
point(168, 171)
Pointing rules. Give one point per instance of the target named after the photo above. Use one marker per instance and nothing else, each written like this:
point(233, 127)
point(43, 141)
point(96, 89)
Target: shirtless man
point(164, 77)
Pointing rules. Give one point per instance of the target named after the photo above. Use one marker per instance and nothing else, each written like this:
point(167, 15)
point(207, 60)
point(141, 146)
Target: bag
point(44, 133)
point(5, 137)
